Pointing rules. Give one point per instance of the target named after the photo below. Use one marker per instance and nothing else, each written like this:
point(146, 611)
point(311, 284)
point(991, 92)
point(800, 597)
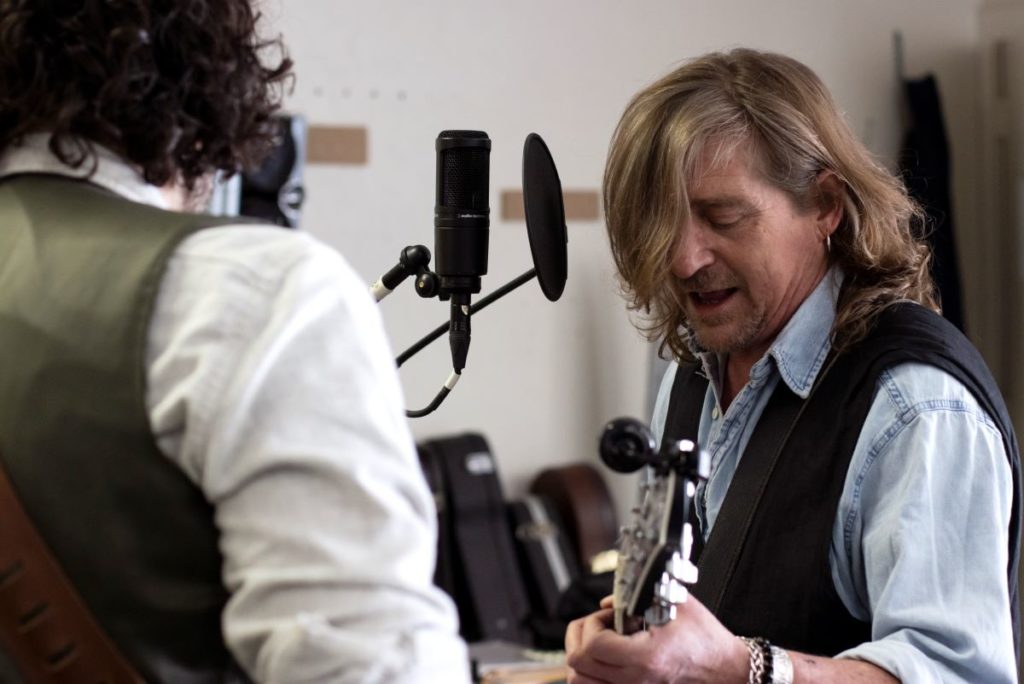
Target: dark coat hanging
point(925, 167)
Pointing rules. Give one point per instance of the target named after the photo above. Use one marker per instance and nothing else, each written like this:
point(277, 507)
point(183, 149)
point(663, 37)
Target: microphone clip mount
point(413, 260)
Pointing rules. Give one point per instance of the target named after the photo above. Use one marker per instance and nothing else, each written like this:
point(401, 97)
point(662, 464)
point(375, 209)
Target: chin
point(718, 344)
point(725, 339)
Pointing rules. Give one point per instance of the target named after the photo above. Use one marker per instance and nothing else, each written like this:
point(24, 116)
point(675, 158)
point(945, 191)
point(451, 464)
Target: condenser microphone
point(461, 227)
point(461, 224)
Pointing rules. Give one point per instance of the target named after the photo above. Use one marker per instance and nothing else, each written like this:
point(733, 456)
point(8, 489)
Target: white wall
point(1002, 192)
point(542, 378)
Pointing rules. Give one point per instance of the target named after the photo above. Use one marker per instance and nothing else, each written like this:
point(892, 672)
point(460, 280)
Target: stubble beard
point(727, 333)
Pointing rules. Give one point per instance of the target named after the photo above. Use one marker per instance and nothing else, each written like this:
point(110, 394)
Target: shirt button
point(715, 413)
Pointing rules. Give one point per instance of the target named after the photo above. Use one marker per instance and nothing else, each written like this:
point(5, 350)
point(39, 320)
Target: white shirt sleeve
point(272, 385)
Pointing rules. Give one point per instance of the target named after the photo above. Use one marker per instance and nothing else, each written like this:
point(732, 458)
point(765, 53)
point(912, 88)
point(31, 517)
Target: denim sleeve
point(920, 545)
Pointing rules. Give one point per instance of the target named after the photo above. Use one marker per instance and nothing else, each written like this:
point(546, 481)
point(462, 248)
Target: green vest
point(80, 269)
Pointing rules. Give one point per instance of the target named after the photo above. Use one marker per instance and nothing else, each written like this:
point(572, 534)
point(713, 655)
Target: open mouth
point(710, 299)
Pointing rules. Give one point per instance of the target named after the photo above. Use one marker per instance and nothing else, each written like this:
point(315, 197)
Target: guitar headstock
point(654, 564)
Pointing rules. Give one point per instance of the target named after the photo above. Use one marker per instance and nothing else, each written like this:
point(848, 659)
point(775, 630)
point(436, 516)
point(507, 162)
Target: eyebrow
point(721, 203)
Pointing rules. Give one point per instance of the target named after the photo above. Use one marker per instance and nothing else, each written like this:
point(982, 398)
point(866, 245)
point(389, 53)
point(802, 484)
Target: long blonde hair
point(783, 111)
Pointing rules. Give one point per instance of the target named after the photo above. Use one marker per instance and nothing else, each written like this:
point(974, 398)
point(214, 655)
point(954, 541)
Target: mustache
point(705, 281)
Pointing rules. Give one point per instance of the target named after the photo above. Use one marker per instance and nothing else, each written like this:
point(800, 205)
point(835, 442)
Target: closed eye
point(723, 213)
point(724, 223)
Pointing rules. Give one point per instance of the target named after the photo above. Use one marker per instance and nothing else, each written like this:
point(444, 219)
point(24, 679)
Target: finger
point(589, 669)
point(593, 624)
point(573, 635)
point(584, 679)
point(608, 602)
point(617, 651)
point(691, 606)
point(576, 678)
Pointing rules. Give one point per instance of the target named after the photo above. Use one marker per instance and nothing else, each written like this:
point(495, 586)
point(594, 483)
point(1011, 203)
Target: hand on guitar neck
point(655, 548)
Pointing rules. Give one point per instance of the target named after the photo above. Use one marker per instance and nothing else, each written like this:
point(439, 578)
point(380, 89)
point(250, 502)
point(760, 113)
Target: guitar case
point(549, 562)
point(582, 502)
point(477, 564)
point(444, 570)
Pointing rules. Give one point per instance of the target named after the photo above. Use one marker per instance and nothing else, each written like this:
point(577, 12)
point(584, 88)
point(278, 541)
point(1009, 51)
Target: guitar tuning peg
point(626, 445)
point(670, 590)
point(663, 606)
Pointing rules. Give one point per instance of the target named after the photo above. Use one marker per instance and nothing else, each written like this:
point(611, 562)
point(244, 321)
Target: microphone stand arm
point(442, 329)
point(414, 260)
point(480, 305)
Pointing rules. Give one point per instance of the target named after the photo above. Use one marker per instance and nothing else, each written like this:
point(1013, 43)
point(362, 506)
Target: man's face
point(746, 258)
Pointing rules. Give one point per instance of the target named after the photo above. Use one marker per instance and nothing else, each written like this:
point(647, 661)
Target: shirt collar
point(33, 155)
point(800, 349)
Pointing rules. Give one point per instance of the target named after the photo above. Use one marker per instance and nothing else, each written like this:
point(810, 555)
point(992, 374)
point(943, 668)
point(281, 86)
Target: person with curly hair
point(861, 519)
point(201, 417)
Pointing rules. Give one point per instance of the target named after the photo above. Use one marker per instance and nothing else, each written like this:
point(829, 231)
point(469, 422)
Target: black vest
point(779, 584)
point(80, 270)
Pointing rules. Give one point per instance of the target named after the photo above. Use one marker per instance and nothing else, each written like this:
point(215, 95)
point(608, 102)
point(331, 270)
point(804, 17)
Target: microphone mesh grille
point(466, 178)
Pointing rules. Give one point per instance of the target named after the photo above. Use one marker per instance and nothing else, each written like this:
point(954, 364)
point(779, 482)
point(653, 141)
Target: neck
point(195, 201)
point(737, 372)
point(174, 196)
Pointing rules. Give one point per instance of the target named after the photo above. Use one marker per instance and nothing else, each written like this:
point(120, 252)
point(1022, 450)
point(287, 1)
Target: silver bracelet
point(758, 666)
point(782, 666)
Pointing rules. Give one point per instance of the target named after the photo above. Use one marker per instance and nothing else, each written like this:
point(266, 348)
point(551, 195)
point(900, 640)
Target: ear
point(830, 206)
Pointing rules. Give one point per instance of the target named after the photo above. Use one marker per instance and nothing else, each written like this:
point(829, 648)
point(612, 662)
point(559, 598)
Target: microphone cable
point(437, 332)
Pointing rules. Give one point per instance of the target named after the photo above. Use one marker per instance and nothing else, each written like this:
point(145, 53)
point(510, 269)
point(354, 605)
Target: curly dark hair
point(178, 88)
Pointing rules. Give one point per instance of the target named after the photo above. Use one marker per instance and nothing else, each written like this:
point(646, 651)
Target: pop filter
point(545, 216)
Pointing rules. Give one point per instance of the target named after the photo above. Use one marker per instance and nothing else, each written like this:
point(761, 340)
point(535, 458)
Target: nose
point(692, 250)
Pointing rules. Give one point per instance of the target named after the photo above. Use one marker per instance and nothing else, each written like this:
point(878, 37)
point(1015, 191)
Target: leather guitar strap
point(45, 627)
point(683, 421)
point(722, 551)
point(716, 559)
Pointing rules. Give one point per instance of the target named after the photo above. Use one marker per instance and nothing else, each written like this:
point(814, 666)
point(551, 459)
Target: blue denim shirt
point(920, 541)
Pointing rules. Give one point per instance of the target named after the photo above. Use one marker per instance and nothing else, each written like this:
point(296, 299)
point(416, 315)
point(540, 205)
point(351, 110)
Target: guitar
point(654, 564)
